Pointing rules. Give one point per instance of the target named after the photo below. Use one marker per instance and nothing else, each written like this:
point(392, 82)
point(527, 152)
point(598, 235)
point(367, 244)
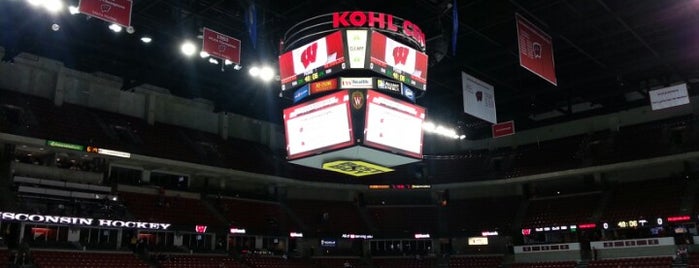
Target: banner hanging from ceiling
point(535, 50)
point(221, 46)
point(115, 11)
point(479, 98)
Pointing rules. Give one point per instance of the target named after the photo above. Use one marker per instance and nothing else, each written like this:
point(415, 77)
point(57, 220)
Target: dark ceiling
point(608, 53)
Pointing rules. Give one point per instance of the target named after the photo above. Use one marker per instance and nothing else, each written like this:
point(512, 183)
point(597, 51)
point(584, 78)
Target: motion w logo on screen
point(400, 55)
point(308, 56)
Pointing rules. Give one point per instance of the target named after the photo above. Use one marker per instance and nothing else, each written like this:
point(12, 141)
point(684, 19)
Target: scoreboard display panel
point(319, 125)
point(312, 61)
point(393, 125)
point(398, 61)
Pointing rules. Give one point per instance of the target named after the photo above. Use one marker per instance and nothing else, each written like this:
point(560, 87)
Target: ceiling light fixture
point(73, 10)
point(115, 28)
point(188, 48)
point(146, 39)
point(53, 6)
point(266, 73)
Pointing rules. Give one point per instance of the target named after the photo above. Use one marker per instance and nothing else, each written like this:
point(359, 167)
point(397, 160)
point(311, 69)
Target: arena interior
point(117, 152)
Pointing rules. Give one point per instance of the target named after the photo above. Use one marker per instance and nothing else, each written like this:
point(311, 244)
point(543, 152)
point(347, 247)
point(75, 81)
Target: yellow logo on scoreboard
point(355, 167)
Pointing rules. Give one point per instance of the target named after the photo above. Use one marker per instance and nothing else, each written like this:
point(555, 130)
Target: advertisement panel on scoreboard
point(398, 61)
point(312, 61)
point(319, 125)
point(393, 125)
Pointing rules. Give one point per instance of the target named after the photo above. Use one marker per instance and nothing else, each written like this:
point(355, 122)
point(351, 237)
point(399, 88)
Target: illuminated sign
point(328, 243)
point(355, 168)
point(324, 85)
point(388, 85)
point(393, 125)
point(678, 218)
point(295, 235)
point(489, 233)
point(318, 125)
point(113, 153)
point(421, 236)
point(381, 21)
point(301, 93)
point(357, 48)
point(64, 145)
point(200, 228)
point(399, 186)
point(356, 82)
point(236, 231)
point(312, 61)
point(477, 241)
point(38, 218)
point(407, 92)
point(357, 236)
point(587, 226)
point(93, 149)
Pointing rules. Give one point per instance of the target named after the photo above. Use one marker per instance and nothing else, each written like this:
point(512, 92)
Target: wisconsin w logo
point(308, 56)
point(400, 55)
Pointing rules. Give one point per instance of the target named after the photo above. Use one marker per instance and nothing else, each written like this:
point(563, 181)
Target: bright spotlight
point(266, 73)
point(237, 67)
point(188, 48)
point(146, 39)
point(55, 27)
point(227, 62)
point(254, 71)
point(73, 10)
point(213, 61)
point(53, 6)
point(35, 3)
point(204, 54)
point(115, 28)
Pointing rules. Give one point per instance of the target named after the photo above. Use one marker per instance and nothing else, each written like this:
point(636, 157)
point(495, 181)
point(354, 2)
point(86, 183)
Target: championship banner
point(535, 50)
point(668, 97)
point(114, 11)
point(479, 98)
point(503, 129)
point(221, 46)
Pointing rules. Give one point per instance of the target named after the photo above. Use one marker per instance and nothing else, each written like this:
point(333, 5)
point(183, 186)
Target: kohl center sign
point(382, 21)
point(80, 221)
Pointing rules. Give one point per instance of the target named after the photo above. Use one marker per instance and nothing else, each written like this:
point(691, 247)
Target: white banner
point(479, 98)
point(668, 97)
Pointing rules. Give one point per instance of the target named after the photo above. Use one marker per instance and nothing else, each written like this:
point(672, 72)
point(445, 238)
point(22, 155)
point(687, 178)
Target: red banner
point(114, 11)
point(535, 50)
point(221, 46)
point(504, 129)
